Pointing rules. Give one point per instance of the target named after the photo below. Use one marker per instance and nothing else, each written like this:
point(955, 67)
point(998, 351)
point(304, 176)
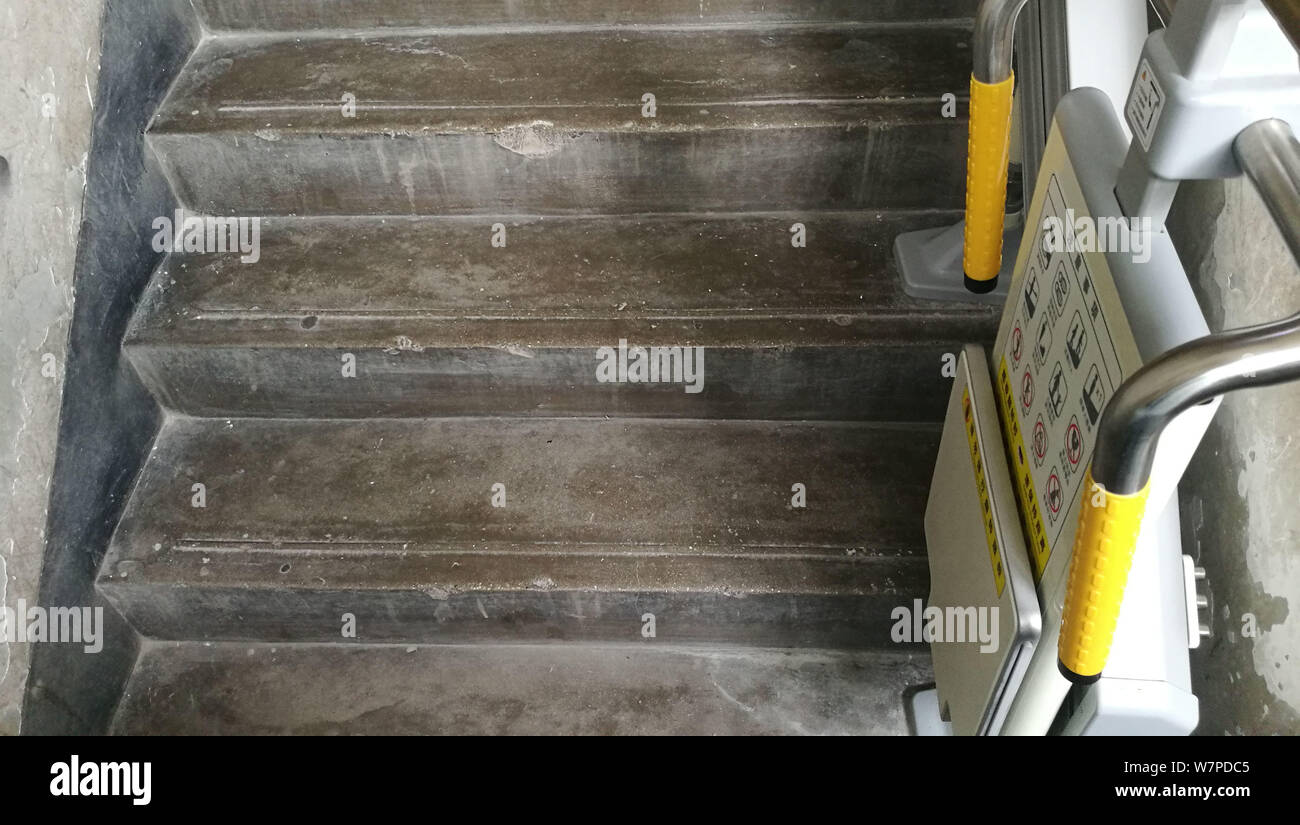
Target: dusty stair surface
point(356, 405)
point(500, 690)
point(803, 118)
point(605, 521)
point(439, 322)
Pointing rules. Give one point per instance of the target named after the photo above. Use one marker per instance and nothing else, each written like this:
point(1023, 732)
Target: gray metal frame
point(1042, 52)
point(930, 261)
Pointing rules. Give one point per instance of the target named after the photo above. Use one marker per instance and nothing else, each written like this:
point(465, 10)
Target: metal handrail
point(994, 40)
point(988, 152)
point(1200, 370)
point(1204, 369)
point(1118, 482)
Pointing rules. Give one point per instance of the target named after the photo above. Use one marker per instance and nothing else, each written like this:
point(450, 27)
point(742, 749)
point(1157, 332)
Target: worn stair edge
point(439, 321)
point(334, 278)
point(743, 121)
point(641, 689)
point(201, 612)
point(863, 382)
point(604, 521)
point(597, 80)
point(909, 166)
point(306, 15)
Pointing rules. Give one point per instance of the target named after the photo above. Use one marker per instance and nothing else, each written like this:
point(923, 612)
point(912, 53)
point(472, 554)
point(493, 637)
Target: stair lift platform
point(1084, 313)
point(1098, 294)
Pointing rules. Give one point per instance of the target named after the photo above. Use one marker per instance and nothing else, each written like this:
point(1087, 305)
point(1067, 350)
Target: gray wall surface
point(1241, 496)
point(51, 65)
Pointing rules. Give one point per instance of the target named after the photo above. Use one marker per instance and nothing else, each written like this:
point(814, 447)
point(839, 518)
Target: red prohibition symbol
point(1074, 443)
point(1054, 498)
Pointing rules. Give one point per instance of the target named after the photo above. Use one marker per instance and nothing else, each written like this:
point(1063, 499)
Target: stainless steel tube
point(994, 43)
point(1205, 369)
point(1270, 156)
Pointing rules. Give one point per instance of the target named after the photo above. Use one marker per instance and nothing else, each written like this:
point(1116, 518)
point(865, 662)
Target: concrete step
point(442, 323)
point(307, 15)
point(605, 521)
point(645, 689)
point(784, 117)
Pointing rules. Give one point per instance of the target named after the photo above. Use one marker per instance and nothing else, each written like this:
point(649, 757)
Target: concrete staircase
point(350, 409)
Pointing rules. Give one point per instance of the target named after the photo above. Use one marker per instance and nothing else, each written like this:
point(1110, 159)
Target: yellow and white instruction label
point(1057, 367)
point(982, 488)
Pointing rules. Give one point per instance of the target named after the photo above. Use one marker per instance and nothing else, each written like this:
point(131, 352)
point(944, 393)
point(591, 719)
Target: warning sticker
point(1058, 367)
point(981, 485)
point(1031, 517)
point(1074, 442)
point(1145, 105)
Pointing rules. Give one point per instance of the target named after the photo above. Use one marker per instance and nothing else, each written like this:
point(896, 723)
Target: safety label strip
point(1062, 365)
point(1030, 514)
point(981, 485)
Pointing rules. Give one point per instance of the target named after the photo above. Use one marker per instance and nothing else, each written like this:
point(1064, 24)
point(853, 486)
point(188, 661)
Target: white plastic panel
point(1105, 38)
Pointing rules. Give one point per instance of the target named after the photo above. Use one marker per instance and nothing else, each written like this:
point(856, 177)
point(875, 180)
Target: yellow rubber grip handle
point(1109, 524)
point(987, 158)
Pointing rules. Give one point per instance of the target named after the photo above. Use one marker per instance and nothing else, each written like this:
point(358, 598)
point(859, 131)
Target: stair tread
point(577, 80)
point(233, 689)
point(671, 279)
point(592, 504)
point(664, 231)
point(291, 15)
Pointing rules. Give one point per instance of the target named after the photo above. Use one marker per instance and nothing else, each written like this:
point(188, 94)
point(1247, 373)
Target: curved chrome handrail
point(995, 36)
point(1119, 478)
point(1204, 369)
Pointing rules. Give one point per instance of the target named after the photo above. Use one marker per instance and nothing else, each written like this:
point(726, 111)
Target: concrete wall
point(51, 53)
point(1241, 496)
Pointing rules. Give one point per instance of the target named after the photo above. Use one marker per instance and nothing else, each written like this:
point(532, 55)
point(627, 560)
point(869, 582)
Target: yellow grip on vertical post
point(988, 155)
point(1109, 524)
